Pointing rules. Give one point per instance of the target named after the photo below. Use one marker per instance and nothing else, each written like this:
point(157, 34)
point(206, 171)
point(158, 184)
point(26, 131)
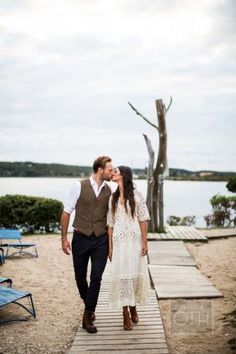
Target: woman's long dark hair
point(126, 173)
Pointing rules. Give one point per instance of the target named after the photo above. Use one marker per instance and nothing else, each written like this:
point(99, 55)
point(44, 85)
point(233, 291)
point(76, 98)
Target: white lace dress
point(129, 283)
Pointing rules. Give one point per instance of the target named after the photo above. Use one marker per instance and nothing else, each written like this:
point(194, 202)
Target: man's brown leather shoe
point(134, 315)
point(93, 317)
point(88, 323)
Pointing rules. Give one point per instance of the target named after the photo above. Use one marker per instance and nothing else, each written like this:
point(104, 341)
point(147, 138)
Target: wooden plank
point(186, 233)
point(169, 253)
point(141, 351)
point(110, 317)
point(194, 295)
point(138, 329)
point(194, 232)
point(171, 260)
point(167, 246)
point(158, 236)
point(120, 341)
point(117, 334)
point(220, 232)
point(181, 282)
point(172, 269)
point(174, 234)
point(121, 347)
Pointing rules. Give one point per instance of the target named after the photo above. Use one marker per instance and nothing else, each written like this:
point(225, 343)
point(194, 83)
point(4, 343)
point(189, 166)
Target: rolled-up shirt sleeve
point(110, 217)
point(74, 194)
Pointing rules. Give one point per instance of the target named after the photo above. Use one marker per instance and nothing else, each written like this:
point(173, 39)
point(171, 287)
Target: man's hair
point(100, 162)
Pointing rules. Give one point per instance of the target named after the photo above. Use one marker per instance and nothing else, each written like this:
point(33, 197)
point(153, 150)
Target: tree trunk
point(149, 199)
point(155, 176)
point(160, 168)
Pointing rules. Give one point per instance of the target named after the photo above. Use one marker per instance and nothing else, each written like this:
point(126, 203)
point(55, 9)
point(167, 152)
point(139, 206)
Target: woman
point(127, 229)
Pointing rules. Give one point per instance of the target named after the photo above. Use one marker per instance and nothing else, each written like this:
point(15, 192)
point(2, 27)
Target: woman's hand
point(144, 247)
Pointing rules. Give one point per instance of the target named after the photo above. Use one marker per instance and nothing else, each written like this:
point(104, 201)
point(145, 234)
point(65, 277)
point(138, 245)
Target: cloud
point(69, 68)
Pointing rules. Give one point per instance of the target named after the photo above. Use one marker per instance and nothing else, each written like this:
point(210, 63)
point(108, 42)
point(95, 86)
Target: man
point(89, 198)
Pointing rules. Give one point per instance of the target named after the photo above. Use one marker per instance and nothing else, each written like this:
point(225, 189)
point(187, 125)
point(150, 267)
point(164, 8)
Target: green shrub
point(30, 213)
point(181, 221)
point(231, 185)
point(224, 211)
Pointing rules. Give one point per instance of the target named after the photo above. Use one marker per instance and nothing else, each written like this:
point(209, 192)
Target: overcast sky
point(68, 68)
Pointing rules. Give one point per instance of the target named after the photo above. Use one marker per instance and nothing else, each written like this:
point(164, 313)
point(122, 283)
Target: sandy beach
point(50, 278)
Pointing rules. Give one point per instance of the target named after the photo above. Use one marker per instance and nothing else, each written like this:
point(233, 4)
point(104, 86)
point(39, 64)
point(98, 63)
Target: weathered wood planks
point(174, 273)
point(217, 233)
point(178, 233)
point(169, 253)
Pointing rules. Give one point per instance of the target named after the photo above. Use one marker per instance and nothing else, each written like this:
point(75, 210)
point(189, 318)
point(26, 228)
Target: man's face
point(107, 172)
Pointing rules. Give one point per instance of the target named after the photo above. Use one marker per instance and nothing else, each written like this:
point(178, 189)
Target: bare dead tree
point(150, 177)
point(155, 175)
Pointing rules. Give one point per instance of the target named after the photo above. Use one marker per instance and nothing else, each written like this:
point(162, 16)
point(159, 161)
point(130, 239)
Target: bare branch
point(149, 146)
point(146, 120)
point(167, 109)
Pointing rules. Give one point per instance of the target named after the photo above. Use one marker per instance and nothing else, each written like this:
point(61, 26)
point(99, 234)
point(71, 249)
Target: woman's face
point(116, 177)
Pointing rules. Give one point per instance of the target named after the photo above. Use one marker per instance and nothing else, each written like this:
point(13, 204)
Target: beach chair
point(19, 247)
point(2, 256)
point(13, 296)
point(6, 280)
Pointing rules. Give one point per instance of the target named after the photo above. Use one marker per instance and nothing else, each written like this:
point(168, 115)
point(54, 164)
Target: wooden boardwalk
point(169, 253)
point(217, 233)
point(174, 273)
point(189, 233)
point(146, 337)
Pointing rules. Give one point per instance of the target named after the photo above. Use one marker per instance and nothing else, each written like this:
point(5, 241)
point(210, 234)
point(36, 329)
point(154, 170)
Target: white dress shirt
point(74, 194)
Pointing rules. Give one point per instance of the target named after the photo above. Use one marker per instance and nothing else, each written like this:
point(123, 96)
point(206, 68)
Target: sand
point(50, 278)
point(216, 260)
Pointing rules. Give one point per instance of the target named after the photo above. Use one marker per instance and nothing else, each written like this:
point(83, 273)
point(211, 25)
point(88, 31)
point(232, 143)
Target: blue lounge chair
point(19, 247)
point(6, 280)
point(13, 296)
point(2, 256)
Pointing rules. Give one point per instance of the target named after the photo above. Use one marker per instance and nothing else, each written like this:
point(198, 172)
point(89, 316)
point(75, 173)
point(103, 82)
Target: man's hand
point(65, 244)
point(110, 254)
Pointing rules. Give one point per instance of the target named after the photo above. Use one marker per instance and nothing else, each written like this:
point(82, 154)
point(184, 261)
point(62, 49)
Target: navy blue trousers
point(96, 249)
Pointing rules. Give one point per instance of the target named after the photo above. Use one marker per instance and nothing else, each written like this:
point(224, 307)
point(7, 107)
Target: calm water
point(181, 198)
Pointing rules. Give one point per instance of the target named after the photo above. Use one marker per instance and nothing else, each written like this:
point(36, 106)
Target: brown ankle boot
point(134, 314)
point(127, 321)
point(88, 323)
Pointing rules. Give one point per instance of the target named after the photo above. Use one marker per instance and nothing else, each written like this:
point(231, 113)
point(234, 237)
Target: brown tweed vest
point(91, 211)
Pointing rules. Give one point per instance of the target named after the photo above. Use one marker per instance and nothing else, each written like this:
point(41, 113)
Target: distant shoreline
point(135, 179)
point(46, 170)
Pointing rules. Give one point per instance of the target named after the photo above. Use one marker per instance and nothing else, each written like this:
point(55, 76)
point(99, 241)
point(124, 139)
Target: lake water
point(181, 198)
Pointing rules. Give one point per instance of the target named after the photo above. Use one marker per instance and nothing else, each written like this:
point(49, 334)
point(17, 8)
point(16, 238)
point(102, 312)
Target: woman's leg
point(134, 314)
point(126, 319)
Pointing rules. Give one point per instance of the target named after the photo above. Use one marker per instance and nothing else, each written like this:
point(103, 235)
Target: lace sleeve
point(110, 217)
point(142, 209)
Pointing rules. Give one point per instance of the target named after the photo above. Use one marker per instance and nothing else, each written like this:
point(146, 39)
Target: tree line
point(32, 169)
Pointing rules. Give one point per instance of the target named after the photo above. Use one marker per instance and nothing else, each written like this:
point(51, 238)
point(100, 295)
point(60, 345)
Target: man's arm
point(65, 219)
point(69, 206)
